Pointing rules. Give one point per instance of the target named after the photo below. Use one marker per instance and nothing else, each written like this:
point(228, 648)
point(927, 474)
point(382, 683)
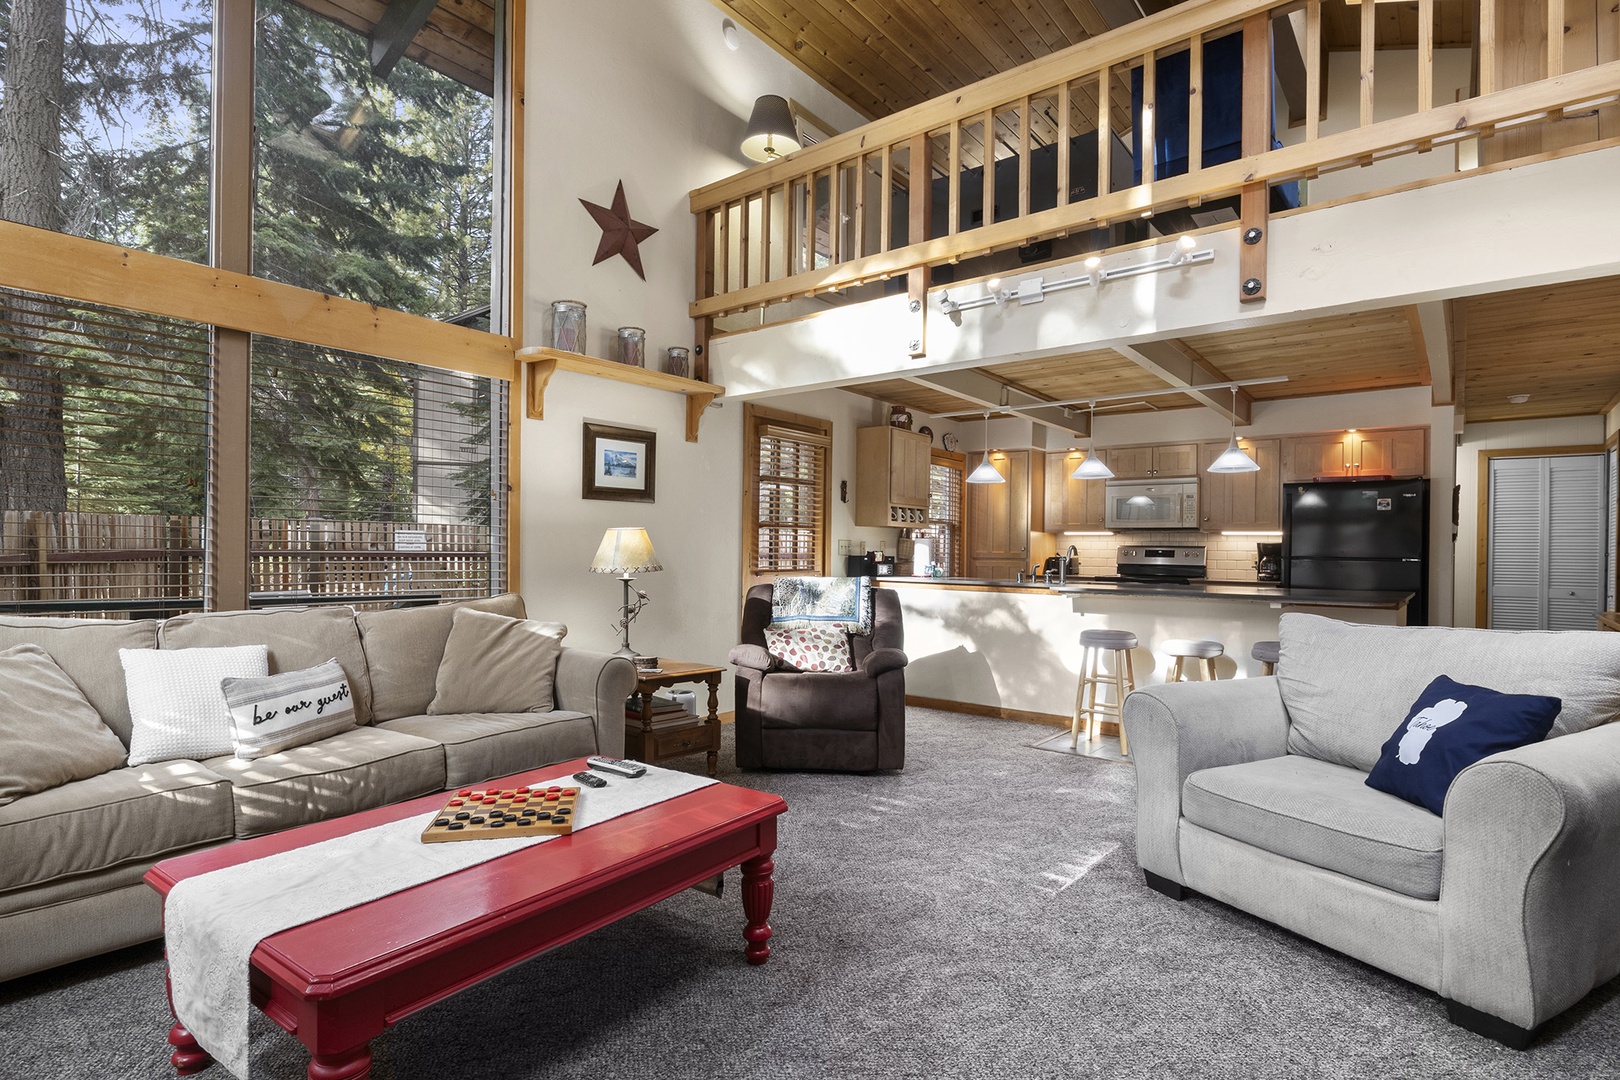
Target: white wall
point(1394, 95)
point(649, 94)
point(1513, 435)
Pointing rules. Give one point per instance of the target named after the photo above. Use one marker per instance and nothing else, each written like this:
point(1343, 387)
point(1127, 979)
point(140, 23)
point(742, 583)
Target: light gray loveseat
point(72, 857)
point(1252, 792)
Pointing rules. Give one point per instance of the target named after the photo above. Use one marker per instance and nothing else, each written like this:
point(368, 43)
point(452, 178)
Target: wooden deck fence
point(124, 559)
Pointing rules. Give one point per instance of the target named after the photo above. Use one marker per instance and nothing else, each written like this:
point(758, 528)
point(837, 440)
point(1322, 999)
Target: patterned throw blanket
point(838, 601)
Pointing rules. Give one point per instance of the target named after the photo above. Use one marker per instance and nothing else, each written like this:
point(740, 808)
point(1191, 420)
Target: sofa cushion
point(49, 734)
point(175, 703)
point(1324, 815)
point(1347, 686)
point(357, 770)
point(482, 746)
point(279, 712)
point(296, 637)
point(87, 649)
point(845, 701)
point(403, 648)
point(496, 664)
point(126, 815)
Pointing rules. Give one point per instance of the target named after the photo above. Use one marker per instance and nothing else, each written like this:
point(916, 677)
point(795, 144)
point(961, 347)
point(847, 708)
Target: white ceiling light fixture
point(1092, 468)
point(1233, 459)
point(1518, 399)
point(771, 130)
point(1184, 253)
point(986, 473)
point(731, 35)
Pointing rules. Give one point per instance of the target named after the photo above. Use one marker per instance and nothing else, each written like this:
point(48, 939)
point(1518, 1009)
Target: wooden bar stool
point(1184, 649)
point(1121, 679)
point(1266, 653)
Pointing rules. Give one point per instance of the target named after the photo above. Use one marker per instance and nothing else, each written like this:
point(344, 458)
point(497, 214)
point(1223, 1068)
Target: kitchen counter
point(1012, 649)
point(1256, 592)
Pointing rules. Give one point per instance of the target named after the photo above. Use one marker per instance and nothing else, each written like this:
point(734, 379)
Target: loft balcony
point(1251, 118)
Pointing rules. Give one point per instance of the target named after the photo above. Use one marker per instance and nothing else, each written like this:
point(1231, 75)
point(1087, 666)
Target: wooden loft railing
point(764, 235)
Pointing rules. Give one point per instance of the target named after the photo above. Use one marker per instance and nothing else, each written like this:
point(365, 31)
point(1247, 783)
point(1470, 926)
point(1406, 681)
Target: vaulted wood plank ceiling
point(458, 39)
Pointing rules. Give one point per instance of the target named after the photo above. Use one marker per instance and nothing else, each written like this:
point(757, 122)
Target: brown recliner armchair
point(847, 721)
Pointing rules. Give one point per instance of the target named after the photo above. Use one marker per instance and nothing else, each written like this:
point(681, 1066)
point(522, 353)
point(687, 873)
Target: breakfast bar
point(1012, 649)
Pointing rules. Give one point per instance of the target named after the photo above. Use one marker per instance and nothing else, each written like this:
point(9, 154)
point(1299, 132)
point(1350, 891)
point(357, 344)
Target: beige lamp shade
point(771, 130)
point(625, 551)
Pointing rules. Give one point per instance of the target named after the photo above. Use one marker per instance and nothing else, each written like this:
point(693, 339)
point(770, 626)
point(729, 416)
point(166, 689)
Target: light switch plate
point(843, 547)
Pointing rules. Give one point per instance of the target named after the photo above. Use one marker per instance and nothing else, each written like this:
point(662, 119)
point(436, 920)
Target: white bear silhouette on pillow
point(1422, 727)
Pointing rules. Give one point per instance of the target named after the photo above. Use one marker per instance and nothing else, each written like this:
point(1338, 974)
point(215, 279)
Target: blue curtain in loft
point(1223, 113)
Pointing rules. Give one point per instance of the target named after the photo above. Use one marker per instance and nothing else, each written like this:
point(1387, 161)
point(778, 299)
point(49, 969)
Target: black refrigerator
point(1359, 535)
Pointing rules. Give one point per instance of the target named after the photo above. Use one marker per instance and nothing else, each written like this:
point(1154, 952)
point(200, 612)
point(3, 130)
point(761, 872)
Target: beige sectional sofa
point(72, 857)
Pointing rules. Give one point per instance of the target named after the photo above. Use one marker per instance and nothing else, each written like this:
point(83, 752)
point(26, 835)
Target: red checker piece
point(489, 800)
point(464, 792)
point(457, 802)
point(552, 796)
point(552, 788)
point(570, 791)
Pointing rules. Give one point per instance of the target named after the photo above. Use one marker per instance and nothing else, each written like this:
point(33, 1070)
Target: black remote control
point(590, 779)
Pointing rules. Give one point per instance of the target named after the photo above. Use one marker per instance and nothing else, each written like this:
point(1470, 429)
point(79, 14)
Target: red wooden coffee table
point(338, 982)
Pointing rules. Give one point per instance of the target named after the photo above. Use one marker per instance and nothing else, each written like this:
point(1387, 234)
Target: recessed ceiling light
point(1518, 399)
point(733, 36)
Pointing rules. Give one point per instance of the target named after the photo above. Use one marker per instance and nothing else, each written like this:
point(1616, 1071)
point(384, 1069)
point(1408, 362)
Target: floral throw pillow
point(815, 647)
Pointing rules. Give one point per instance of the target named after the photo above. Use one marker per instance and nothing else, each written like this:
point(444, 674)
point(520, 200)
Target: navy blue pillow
point(1451, 726)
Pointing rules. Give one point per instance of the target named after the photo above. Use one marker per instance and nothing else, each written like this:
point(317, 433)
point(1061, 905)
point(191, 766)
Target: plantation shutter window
point(786, 508)
point(944, 532)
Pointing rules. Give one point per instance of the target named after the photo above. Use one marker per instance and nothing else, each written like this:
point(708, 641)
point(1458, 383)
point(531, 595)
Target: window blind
point(373, 480)
point(791, 481)
point(944, 531)
point(104, 459)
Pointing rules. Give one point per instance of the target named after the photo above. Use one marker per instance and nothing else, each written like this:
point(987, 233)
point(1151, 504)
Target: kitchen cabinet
point(891, 477)
point(1251, 500)
point(1149, 462)
point(1346, 455)
point(1000, 517)
point(1070, 503)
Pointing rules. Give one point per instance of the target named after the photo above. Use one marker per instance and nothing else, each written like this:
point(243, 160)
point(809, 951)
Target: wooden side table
point(653, 745)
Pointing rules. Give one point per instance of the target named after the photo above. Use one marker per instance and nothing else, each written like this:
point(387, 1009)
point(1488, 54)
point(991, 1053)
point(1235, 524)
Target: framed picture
point(620, 463)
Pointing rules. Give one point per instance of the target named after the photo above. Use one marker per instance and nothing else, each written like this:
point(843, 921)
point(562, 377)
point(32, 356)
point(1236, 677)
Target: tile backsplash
point(1229, 558)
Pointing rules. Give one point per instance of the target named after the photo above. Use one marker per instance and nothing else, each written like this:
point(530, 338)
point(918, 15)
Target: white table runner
point(213, 922)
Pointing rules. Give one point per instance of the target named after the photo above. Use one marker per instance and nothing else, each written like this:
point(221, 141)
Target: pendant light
point(1092, 468)
point(986, 473)
point(1233, 459)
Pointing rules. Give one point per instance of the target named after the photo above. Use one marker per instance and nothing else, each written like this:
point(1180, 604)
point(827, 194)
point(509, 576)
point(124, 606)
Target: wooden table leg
point(713, 721)
point(188, 1058)
point(350, 1065)
point(758, 890)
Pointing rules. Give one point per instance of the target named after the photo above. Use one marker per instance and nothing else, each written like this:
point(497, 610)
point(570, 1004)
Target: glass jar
point(568, 326)
point(678, 361)
point(632, 346)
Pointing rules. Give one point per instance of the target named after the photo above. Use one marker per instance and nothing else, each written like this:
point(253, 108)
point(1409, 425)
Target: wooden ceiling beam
point(395, 29)
point(997, 396)
point(1432, 341)
point(1179, 364)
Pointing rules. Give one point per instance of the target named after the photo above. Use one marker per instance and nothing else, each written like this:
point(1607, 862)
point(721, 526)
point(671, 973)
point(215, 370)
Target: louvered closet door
point(1613, 457)
point(1546, 542)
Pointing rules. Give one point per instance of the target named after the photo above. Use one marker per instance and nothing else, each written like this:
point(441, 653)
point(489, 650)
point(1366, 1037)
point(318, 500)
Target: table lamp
point(626, 552)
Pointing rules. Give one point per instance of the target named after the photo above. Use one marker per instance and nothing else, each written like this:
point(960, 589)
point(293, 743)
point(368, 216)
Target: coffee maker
point(1268, 562)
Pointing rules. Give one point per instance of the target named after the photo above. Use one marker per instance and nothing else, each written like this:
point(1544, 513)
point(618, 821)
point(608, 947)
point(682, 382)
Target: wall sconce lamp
point(771, 130)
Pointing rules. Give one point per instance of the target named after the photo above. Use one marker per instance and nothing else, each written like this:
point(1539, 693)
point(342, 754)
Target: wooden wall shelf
point(543, 362)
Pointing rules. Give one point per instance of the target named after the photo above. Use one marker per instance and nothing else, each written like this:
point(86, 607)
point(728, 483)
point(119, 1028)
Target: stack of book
point(666, 712)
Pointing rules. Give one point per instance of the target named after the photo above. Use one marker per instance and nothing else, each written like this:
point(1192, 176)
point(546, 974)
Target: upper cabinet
point(1000, 517)
point(891, 477)
point(1150, 462)
point(1070, 503)
point(1249, 500)
point(1347, 455)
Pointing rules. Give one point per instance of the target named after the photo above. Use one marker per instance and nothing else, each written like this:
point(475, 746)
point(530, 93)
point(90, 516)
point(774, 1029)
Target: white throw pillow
point(176, 708)
point(278, 712)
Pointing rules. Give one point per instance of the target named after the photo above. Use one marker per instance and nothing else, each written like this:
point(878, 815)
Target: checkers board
point(480, 813)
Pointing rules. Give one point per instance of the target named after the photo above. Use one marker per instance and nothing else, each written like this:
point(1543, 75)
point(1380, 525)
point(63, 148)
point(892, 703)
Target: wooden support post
point(835, 214)
point(917, 291)
point(953, 198)
point(1256, 197)
point(1065, 136)
point(1105, 134)
point(1425, 55)
point(1023, 160)
point(743, 214)
point(1195, 105)
point(1555, 38)
point(1369, 50)
point(701, 328)
point(1315, 61)
point(1487, 47)
point(860, 208)
point(886, 202)
point(921, 195)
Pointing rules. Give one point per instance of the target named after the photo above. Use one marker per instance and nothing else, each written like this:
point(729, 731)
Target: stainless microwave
point(1152, 504)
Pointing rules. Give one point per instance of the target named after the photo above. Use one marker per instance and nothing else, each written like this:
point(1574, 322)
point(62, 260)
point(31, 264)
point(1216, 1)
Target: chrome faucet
point(1063, 564)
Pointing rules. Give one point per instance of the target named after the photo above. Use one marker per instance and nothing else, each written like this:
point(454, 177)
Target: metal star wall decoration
point(620, 234)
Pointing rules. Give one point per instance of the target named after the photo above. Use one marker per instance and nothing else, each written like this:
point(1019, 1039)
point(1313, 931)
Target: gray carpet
point(978, 914)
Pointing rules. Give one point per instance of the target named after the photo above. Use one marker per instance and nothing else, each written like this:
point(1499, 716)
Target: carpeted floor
point(978, 914)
